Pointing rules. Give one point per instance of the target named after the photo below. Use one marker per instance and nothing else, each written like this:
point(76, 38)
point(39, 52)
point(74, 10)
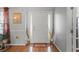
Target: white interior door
point(75, 29)
point(39, 28)
point(77, 34)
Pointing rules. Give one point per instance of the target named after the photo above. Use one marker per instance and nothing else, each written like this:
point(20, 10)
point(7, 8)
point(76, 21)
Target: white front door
point(39, 26)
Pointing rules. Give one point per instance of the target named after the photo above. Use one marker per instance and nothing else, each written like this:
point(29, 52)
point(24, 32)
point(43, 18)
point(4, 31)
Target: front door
point(39, 26)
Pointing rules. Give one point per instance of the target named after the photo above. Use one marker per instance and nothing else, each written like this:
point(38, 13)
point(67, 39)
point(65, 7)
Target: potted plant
point(4, 40)
point(5, 36)
point(51, 37)
point(27, 32)
point(1, 38)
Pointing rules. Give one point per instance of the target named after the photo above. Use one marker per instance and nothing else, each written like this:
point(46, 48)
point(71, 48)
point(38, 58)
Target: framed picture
point(17, 18)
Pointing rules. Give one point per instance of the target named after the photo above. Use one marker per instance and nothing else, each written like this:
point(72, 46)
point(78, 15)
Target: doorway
point(38, 21)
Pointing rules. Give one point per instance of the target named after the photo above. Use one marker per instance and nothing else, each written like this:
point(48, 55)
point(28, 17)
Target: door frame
point(74, 30)
point(30, 20)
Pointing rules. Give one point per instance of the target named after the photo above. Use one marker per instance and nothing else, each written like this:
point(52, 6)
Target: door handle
point(71, 31)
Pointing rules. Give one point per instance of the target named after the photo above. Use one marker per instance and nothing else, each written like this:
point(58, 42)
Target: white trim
point(17, 30)
point(74, 30)
point(16, 44)
point(57, 47)
point(31, 27)
point(25, 21)
point(49, 21)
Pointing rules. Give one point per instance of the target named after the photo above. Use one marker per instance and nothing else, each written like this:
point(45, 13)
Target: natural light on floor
point(30, 49)
point(49, 49)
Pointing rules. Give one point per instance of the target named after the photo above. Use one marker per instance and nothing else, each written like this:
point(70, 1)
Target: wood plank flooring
point(37, 47)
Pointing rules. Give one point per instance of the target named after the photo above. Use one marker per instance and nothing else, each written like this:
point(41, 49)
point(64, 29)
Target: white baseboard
point(16, 44)
point(57, 47)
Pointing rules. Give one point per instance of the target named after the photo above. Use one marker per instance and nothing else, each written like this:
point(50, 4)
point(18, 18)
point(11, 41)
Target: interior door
point(77, 34)
point(39, 27)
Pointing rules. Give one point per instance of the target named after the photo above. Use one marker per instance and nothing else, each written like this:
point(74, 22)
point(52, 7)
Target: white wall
point(63, 26)
point(60, 28)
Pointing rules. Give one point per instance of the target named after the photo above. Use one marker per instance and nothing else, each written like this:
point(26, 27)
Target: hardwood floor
point(37, 47)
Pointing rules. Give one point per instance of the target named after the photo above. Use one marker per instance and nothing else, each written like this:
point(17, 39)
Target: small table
point(3, 43)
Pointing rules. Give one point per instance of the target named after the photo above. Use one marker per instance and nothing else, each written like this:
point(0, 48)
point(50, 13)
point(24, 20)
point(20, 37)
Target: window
point(1, 22)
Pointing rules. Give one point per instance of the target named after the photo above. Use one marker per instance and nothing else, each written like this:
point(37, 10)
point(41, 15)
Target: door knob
point(71, 31)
